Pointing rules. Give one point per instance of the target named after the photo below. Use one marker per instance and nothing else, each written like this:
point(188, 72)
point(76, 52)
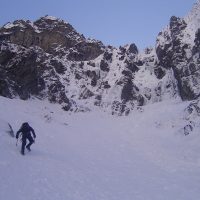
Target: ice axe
point(17, 140)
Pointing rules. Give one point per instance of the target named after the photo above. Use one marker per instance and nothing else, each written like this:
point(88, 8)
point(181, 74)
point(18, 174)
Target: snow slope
point(96, 156)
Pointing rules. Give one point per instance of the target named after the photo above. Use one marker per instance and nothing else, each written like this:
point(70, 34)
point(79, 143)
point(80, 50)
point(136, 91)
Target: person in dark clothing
point(26, 131)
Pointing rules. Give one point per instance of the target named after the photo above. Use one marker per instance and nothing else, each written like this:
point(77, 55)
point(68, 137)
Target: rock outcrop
point(48, 59)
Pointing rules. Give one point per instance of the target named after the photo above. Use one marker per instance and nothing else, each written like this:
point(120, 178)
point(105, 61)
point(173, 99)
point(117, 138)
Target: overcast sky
point(114, 22)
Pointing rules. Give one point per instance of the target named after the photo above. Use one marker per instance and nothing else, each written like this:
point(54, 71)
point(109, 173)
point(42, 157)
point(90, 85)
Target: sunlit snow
point(93, 156)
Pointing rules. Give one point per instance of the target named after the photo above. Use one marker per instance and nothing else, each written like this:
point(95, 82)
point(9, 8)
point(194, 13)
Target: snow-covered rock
point(48, 59)
point(5, 128)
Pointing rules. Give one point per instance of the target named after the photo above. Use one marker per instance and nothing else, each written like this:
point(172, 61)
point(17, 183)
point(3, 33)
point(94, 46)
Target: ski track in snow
point(95, 156)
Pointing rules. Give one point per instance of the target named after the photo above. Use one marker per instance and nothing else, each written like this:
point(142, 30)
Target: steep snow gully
point(96, 156)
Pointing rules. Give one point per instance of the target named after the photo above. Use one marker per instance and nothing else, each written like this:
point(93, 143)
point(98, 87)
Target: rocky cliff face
point(178, 48)
point(48, 59)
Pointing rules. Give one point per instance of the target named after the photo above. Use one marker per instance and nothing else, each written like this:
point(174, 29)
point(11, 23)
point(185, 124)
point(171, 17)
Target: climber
point(26, 131)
